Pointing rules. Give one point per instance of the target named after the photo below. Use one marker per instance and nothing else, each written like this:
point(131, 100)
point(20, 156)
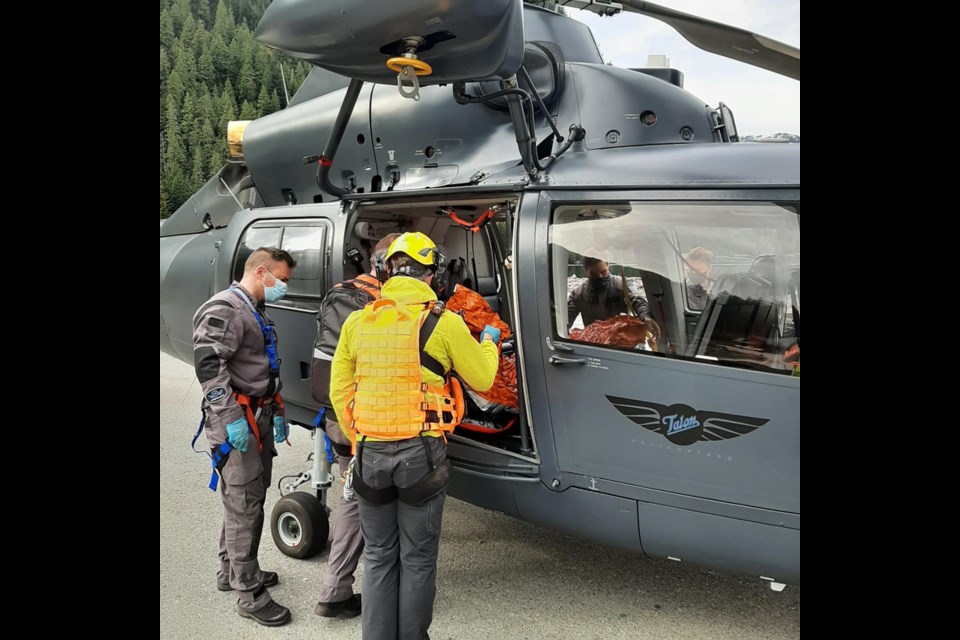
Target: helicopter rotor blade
point(715, 37)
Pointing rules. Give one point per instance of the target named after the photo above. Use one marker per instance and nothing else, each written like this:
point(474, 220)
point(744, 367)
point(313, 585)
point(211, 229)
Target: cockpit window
point(714, 282)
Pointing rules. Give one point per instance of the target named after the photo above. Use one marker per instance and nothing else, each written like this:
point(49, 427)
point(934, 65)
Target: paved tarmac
point(498, 578)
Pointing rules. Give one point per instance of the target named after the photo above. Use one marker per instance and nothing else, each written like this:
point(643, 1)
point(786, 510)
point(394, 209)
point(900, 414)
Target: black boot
point(349, 608)
point(272, 615)
point(270, 579)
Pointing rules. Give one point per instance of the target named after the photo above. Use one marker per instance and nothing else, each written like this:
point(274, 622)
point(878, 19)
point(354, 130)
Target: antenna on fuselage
point(239, 204)
point(283, 79)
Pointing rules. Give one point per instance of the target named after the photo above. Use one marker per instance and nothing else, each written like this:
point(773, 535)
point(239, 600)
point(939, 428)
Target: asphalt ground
point(498, 578)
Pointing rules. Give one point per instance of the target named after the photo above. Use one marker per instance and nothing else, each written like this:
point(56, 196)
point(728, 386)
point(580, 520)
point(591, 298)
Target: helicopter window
point(304, 241)
point(305, 244)
point(719, 282)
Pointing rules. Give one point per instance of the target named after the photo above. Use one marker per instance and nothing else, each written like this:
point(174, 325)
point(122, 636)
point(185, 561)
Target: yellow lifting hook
point(408, 67)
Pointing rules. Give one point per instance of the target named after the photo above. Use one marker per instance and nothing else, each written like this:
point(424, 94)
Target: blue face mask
point(277, 291)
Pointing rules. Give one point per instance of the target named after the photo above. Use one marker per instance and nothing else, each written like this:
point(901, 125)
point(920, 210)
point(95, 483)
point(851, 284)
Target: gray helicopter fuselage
point(587, 468)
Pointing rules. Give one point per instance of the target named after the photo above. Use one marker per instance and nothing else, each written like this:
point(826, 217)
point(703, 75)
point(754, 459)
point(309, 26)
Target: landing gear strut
point(300, 523)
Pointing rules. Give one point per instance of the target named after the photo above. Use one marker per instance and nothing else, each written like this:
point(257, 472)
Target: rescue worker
point(388, 385)
point(336, 596)
point(235, 355)
point(602, 296)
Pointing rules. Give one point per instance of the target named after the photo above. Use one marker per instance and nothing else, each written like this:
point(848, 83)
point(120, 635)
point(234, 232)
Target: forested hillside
point(211, 72)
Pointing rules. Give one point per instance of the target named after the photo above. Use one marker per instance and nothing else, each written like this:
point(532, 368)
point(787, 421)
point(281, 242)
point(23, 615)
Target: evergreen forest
point(211, 72)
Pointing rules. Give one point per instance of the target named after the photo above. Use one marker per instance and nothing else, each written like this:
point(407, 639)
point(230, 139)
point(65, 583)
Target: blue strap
point(203, 418)
point(326, 440)
point(215, 460)
point(328, 447)
point(218, 455)
point(269, 336)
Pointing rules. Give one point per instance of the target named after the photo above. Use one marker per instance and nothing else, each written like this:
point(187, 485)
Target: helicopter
point(496, 129)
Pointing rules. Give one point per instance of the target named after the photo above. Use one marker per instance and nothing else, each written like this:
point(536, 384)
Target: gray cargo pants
point(347, 544)
point(401, 542)
point(243, 489)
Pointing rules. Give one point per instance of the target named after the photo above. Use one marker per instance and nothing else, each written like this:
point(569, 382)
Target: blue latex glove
point(493, 332)
point(238, 433)
point(279, 429)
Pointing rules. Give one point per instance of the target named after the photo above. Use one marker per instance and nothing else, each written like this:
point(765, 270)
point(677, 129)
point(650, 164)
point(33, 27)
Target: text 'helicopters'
point(496, 129)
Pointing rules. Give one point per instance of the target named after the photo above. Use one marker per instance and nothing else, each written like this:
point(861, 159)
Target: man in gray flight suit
point(235, 355)
point(601, 296)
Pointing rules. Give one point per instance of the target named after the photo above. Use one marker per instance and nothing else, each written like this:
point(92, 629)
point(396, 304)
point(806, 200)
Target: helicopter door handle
point(562, 360)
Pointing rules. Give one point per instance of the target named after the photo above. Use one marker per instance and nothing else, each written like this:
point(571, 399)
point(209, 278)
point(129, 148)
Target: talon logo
point(683, 425)
point(216, 395)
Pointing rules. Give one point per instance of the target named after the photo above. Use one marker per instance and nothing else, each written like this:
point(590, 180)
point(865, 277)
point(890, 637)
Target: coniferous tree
point(199, 174)
point(188, 33)
point(218, 157)
point(163, 201)
point(165, 69)
point(182, 13)
point(202, 11)
point(187, 117)
point(268, 102)
point(175, 86)
point(248, 111)
point(220, 53)
point(206, 71)
point(223, 24)
point(246, 85)
point(166, 30)
point(175, 158)
point(267, 68)
point(228, 105)
point(206, 142)
point(206, 110)
point(238, 50)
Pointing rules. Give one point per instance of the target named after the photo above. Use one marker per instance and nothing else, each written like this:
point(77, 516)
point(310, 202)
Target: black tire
point(299, 525)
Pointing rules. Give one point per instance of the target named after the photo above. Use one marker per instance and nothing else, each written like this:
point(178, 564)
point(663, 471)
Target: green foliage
point(166, 30)
point(164, 206)
point(211, 72)
point(267, 101)
point(248, 111)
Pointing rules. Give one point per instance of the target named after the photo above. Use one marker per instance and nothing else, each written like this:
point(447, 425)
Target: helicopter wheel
point(299, 525)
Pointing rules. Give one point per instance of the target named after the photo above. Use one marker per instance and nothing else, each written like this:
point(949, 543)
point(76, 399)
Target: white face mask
point(277, 291)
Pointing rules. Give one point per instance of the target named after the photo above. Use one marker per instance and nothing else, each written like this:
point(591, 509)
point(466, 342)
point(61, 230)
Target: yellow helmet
point(416, 245)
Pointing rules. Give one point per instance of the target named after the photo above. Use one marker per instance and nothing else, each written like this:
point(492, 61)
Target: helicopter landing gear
point(300, 523)
point(408, 67)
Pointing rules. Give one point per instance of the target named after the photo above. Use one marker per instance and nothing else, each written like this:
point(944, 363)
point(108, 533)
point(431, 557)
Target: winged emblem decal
point(684, 425)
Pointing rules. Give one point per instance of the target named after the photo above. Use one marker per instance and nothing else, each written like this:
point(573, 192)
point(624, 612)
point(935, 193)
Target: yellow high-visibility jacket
point(451, 344)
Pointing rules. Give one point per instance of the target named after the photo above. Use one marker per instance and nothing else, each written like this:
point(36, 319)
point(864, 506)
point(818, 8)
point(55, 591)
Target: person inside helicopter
point(603, 296)
point(698, 265)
